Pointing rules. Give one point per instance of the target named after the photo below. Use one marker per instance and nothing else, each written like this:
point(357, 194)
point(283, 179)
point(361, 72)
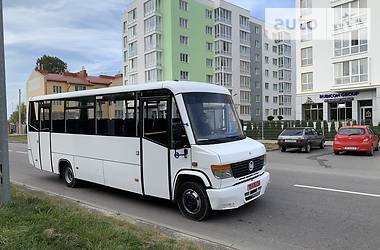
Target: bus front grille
point(243, 168)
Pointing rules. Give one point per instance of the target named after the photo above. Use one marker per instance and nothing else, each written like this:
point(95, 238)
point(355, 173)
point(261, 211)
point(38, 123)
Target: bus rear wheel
point(193, 202)
point(68, 177)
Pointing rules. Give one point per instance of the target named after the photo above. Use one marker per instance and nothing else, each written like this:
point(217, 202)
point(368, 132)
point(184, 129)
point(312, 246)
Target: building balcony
point(223, 36)
point(224, 53)
point(349, 23)
point(245, 57)
point(223, 20)
point(224, 69)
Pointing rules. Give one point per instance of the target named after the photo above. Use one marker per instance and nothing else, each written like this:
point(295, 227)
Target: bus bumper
point(236, 196)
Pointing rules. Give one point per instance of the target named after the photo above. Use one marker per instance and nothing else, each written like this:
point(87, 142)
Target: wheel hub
point(69, 175)
point(191, 201)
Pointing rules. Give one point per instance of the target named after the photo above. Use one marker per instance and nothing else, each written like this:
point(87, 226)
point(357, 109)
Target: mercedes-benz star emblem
point(251, 166)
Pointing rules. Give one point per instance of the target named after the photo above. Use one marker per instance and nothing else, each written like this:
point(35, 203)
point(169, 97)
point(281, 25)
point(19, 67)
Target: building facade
point(43, 83)
point(198, 40)
point(273, 73)
point(337, 76)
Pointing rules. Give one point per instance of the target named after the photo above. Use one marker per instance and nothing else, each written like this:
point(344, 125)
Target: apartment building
point(273, 73)
point(196, 40)
point(338, 78)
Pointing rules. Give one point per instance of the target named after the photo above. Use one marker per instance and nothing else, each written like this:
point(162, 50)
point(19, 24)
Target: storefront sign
point(339, 97)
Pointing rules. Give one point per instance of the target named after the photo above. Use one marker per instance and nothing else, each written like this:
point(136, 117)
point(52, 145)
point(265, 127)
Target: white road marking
point(338, 191)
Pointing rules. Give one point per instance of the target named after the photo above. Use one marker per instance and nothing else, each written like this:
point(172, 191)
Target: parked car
point(356, 139)
point(302, 138)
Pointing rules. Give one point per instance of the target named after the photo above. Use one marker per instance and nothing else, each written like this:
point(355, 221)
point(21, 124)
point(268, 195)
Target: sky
point(83, 33)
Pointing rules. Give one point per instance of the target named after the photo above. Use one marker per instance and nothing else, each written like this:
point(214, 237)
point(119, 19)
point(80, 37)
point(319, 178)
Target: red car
point(356, 139)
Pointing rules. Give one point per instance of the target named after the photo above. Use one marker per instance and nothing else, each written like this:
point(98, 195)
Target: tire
point(370, 152)
point(193, 202)
point(69, 178)
point(322, 145)
point(307, 148)
point(283, 149)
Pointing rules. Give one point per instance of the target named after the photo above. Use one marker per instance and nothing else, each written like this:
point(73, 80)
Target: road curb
point(166, 229)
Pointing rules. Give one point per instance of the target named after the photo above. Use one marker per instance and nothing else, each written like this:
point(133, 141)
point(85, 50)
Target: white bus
point(180, 141)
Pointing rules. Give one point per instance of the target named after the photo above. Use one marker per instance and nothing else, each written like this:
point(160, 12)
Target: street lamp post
point(4, 158)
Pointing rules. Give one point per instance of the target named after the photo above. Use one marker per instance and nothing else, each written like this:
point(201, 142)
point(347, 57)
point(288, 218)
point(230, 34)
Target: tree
point(14, 116)
point(270, 118)
point(51, 64)
point(280, 117)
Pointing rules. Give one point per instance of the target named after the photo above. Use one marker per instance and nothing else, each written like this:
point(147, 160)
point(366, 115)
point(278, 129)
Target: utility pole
point(19, 112)
point(4, 157)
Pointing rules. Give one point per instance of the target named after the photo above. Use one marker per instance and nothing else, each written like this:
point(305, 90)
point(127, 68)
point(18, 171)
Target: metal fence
point(270, 130)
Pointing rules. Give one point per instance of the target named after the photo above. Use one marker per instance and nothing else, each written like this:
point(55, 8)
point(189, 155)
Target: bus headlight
point(222, 171)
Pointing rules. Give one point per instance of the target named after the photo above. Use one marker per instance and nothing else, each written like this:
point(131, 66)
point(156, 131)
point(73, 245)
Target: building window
point(275, 87)
point(209, 78)
point(258, 98)
point(184, 75)
point(80, 87)
point(209, 47)
point(267, 73)
point(183, 5)
point(266, 46)
point(350, 14)
point(274, 48)
point(183, 23)
point(209, 62)
point(307, 81)
point(223, 15)
point(184, 58)
point(257, 30)
point(257, 57)
point(245, 37)
point(351, 71)
point(351, 42)
point(275, 112)
point(275, 99)
point(267, 85)
point(245, 82)
point(153, 59)
point(306, 56)
point(275, 61)
point(132, 49)
point(151, 6)
point(208, 30)
point(244, 22)
point(340, 111)
point(266, 59)
point(223, 31)
point(57, 90)
point(152, 42)
point(245, 67)
point(245, 110)
point(208, 14)
point(245, 96)
point(153, 75)
point(257, 44)
point(132, 63)
point(306, 31)
point(306, 6)
point(312, 112)
point(184, 40)
point(132, 16)
point(152, 24)
point(267, 99)
point(275, 74)
point(258, 112)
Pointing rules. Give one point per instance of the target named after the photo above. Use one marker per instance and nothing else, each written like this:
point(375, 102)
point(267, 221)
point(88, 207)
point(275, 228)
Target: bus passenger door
point(155, 113)
point(33, 135)
point(44, 136)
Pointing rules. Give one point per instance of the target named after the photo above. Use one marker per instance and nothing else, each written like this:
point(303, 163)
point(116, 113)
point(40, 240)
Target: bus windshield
point(213, 118)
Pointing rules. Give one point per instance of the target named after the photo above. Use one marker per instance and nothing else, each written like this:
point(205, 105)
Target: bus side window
point(57, 117)
point(44, 116)
point(156, 121)
point(179, 137)
point(80, 117)
point(115, 115)
point(33, 117)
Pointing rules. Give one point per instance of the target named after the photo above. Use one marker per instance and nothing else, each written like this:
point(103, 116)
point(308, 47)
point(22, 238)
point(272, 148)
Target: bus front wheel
point(68, 177)
point(193, 202)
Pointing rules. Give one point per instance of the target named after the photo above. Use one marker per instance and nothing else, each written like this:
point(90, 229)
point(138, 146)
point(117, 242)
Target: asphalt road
point(314, 201)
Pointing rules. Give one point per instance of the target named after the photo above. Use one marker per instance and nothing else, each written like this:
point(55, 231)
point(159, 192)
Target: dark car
point(302, 138)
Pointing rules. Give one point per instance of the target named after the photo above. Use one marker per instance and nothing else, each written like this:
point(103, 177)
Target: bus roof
point(177, 87)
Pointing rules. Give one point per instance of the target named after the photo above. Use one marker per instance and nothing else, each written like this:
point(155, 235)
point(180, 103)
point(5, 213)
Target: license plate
point(290, 140)
point(253, 185)
point(350, 148)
